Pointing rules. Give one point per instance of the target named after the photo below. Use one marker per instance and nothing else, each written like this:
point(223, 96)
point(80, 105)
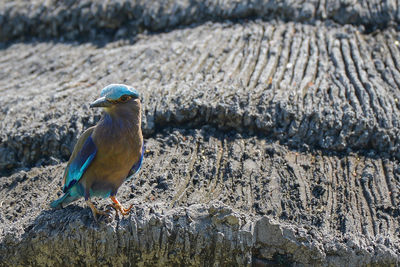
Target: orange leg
point(96, 211)
point(118, 207)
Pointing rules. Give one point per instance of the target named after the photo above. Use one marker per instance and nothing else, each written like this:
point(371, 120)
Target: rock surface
point(90, 19)
point(269, 142)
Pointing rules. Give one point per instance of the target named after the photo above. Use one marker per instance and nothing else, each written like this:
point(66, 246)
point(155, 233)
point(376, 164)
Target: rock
point(268, 142)
point(89, 19)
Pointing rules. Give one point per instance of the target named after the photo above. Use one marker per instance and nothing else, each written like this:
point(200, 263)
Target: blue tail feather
point(65, 199)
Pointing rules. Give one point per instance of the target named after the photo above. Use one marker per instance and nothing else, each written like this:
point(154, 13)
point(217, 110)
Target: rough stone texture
point(233, 200)
point(322, 86)
point(269, 142)
point(90, 19)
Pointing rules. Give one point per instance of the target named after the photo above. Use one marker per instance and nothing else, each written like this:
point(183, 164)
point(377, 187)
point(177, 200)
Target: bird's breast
point(118, 147)
point(119, 152)
point(111, 165)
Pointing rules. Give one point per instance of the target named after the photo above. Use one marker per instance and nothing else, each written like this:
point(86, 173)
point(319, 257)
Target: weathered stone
point(268, 142)
point(215, 218)
point(89, 19)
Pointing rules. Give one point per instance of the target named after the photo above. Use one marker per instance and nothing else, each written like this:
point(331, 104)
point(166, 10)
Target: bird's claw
point(97, 212)
point(121, 209)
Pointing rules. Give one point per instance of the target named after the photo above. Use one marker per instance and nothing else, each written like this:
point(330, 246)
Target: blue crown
point(115, 91)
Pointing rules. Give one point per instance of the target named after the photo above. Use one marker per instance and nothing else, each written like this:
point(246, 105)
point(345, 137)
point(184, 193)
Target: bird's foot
point(121, 209)
point(118, 207)
point(97, 212)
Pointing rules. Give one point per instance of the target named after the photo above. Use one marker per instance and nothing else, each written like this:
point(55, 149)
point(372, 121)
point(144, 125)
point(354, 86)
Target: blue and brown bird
point(107, 154)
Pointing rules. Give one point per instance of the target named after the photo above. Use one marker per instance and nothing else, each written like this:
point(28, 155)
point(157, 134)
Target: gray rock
point(269, 142)
point(299, 84)
point(91, 19)
point(276, 206)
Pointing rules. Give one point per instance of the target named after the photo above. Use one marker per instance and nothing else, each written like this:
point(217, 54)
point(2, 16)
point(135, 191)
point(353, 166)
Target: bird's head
point(116, 95)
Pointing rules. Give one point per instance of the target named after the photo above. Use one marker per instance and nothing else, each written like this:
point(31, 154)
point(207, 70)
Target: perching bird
point(107, 154)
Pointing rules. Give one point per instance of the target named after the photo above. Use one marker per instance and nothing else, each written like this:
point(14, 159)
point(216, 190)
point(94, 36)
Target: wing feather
point(136, 167)
point(84, 152)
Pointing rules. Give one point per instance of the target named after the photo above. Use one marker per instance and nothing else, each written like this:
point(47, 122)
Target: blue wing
point(136, 167)
point(81, 158)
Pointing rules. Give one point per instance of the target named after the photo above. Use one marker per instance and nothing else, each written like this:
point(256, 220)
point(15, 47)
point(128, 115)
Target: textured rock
point(207, 197)
point(89, 19)
point(326, 87)
point(269, 142)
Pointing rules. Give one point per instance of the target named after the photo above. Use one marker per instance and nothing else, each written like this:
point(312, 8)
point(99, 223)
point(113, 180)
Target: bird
point(108, 153)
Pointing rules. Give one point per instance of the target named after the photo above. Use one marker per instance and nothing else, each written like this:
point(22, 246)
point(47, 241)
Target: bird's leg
point(95, 211)
point(118, 207)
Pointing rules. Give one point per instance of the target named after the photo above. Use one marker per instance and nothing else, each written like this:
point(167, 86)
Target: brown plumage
point(106, 154)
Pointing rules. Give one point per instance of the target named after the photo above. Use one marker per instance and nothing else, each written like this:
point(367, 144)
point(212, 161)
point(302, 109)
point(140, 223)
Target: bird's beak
point(101, 102)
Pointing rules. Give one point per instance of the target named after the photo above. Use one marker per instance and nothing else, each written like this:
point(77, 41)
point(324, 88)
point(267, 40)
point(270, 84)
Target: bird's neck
point(124, 120)
point(120, 124)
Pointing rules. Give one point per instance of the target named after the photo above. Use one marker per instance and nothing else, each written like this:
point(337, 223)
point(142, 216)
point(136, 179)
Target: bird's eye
point(124, 98)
